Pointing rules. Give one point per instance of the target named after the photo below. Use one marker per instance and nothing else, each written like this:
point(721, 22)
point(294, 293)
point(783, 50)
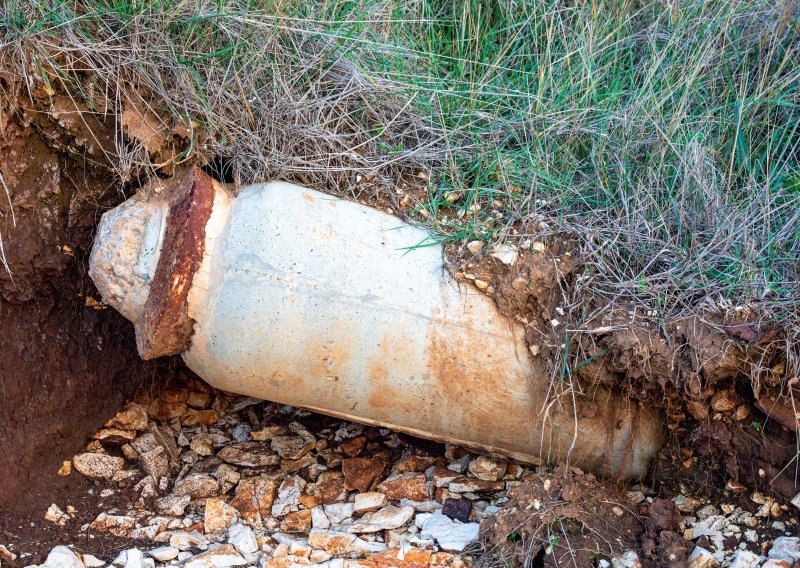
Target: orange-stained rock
point(134, 417)
point(195, 417)
point(362, 474)
point(329, 488)
point(299, 521)
point(218, 516)
point(254, 497)
point(408, 558)
point(405, 486)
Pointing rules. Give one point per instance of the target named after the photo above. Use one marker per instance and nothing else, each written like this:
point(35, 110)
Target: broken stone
point(62, 557)
point(452, 536)
point(702, 558)
point(194, 417)
point(254, 496)
point(362, 474)
point(98, 466)
point(183, 540)
point(119, 525)
point(131, 558)
point(744, 559)
point(339, 512)
point(197, 486)
point(218, 516)
point(370, 501)
point(292, 447)
point(319, 520)
point(785, 548)
point(405, 486)
point(299, 521)
point(223, 556)
point(413, 463)
point(329, 488)
point(467, 485)
point(91, 561)
point(114, 436)
point(457, 509)
point(134, 417)
point(288, 498)
point(475, 246)
point(243, 539)
point(443, 477)
point(505, 253)
point(202, 445)
point(249, 454)
point(55, 515)
point(198, 400)
point(340, 543)
point(173, 505)
point(227, 476)
point(354, 447)
point(390, 517)
point(627, 560)
point(487, 469)
point(164, 553)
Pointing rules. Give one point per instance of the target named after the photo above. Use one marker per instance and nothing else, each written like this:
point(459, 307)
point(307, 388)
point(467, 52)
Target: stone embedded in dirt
point(119, 525)
point(223, 556)
point(134, 417)
point(249, 454)
point(452, 536)
point(243, 539)
point(62, 557)
point(390, 517)
point(702, 558)
point(288, 498)
point(292, 447)
point(785, 548)
point(254, 496)
point(487, 469)
point(98, 466)
point(218, 516)
point(468, 485)
point(340, 543)
point(197, 486)
point(405, 486)
point(6, 555)
point(627, 560)
point(475, 246)
point(505, 253)
point(457, 509)
point(173, 505)
point(724, 401)
point(186, 540)
point(370, 501)
point(362, 474)
point(55, 515)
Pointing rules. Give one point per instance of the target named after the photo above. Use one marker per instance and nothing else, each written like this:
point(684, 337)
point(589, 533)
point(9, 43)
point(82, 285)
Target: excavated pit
point(68, 364)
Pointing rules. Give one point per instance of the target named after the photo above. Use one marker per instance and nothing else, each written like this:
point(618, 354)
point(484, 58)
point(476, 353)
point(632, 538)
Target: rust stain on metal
point(166, 328)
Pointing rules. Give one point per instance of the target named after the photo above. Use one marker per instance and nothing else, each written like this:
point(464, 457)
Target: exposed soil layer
point(65, 366)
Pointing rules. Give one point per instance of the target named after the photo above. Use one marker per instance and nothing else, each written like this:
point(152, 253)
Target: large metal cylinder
point(298, 297)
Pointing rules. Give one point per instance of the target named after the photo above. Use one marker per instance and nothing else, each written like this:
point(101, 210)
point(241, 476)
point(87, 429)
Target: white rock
point(420, 519)
point(421, 506)
point(222, 556)
point(62, 557)
point(243, 539)
point(785, 548)
point(796, 501)
point(773, 563)
point(164, 553)
point(55, 515)
point(451, 536)
point(319, 520)
point(340, 543)
point(702, 558)
point(370, 501)
point(131, 558)
point(173, 505)
point(744, 559)
point(338, 512)
point(390, 517)
point(183, 540)
point(628, 560)
point(288, 498)
point(91, 561)
point(505, 253)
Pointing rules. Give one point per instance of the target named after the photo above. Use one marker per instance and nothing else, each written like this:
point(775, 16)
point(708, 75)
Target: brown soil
point(571, 518)
point(720, 383)
point(65, 366)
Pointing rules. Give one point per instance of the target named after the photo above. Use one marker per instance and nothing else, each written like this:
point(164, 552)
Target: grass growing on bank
point(665, 137)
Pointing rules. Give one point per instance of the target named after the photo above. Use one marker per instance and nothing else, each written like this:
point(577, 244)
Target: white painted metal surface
point(313, 301)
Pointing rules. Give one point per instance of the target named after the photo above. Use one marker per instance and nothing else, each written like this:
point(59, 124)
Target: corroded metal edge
point(166, 328)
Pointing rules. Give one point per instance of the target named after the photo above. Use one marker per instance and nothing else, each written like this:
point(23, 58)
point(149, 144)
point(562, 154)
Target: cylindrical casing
point(305, 299)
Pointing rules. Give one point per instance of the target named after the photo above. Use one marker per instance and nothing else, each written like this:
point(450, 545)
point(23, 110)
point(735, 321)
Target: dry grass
point(663, 138)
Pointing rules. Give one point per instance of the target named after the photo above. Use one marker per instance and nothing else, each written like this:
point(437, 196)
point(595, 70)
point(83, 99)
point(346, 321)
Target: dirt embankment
point(64, 366)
